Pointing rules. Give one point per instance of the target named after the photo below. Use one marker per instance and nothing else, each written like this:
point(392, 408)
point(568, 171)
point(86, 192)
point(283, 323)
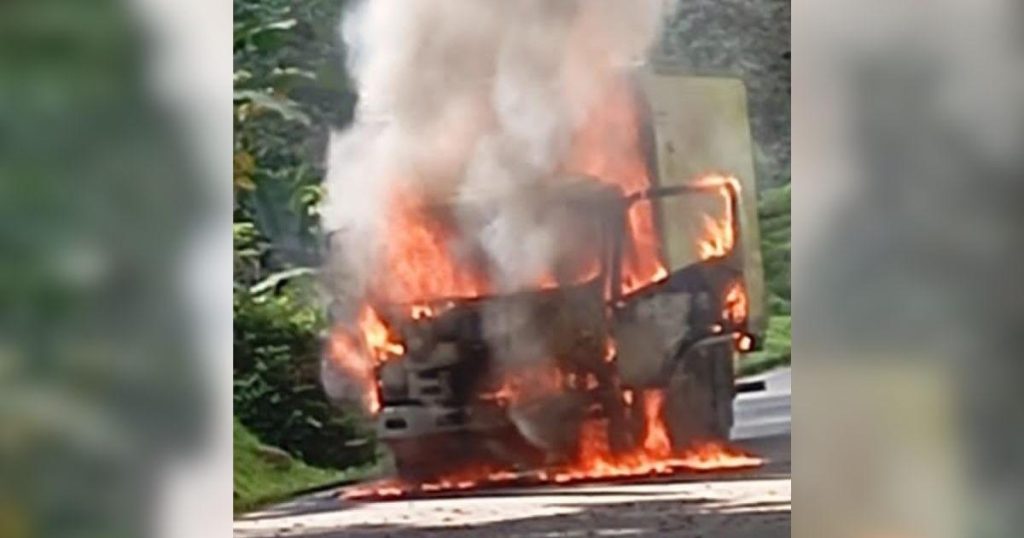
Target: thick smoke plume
point(474, 101)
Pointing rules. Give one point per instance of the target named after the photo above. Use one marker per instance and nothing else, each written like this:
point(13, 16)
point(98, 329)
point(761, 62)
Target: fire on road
point(742, 507)
point(748, 503)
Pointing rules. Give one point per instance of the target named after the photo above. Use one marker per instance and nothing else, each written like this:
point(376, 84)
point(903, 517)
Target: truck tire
point(428, 457)
point(416, 458)
point(698, 406)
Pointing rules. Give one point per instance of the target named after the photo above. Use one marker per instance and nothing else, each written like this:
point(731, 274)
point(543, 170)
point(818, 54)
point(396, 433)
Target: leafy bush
point(290, 89)
point(263, 474)
point(277, 393)
point(777, 349)
point(774, 216)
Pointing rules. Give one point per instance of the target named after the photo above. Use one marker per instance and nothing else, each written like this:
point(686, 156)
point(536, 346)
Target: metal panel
point(701, 127)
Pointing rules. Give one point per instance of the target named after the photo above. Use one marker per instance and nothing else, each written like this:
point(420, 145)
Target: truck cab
point(513, 379)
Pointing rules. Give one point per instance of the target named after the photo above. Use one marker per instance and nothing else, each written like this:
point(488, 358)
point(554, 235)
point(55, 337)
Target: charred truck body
point(522, 378)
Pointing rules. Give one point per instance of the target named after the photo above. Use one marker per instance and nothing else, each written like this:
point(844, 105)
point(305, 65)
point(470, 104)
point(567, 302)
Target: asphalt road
point(745, 504)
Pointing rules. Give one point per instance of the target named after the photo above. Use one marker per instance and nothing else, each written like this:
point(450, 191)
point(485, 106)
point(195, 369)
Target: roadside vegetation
point(290, 90)
point(773, 212)
point(265, 474)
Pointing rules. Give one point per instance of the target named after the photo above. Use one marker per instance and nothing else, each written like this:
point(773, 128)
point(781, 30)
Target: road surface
point(747, 504)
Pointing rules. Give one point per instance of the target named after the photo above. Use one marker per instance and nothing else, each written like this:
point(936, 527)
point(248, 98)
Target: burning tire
point(417, 458)
point(551, 424)
point(425, 458)
point(698, 406)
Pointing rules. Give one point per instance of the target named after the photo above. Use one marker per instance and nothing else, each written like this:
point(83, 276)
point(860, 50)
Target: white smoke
point(475, 101)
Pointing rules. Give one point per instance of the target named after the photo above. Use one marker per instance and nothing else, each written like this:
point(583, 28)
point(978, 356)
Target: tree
point(290, 90)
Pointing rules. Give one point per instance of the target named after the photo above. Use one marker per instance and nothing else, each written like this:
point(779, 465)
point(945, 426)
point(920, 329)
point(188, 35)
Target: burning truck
point(618, 356)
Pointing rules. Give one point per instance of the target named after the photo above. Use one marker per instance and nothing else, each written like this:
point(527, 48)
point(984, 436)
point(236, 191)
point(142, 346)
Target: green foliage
point(264, 474)
point(774, 213)
point(777, 348)
point(290, 89)
point(774, 217)
point(780, 332)
point(277, 393)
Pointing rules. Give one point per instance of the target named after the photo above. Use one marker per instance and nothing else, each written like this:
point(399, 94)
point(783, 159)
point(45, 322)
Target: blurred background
point(291, 89)
point(908, 156)
point(114, 340)
point(116, 378)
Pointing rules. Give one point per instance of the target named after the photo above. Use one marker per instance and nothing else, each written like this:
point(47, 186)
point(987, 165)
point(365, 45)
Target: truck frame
point(446, 402)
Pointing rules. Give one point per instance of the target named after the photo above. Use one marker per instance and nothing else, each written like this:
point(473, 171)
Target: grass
point(265, 475)
point(774, 217)
point(777, 349)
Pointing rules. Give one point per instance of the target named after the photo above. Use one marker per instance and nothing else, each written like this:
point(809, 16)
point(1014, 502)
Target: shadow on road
point(776, 451)
point(685, 518)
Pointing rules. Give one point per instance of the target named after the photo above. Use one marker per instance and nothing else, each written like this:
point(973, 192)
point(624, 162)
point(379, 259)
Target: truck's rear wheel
point(427, 457)
point(698, 406)
point(423, 458)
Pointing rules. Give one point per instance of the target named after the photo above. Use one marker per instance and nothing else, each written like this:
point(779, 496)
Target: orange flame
point(719, 236)
point(349, 355)
point(656, 441)
point(608, 148)
point(418, 263)
point(595, 461)
point(710, 456)
point(421, 312)
point(529, 384)
point(378, 339)
point(359, 355)
point(609, 350)
point(735, 309)
point(421, 268)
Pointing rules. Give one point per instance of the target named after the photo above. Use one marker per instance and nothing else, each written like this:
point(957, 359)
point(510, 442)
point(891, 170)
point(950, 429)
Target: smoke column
point(470, 100)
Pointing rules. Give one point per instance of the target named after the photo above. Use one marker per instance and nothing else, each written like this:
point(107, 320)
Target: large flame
point(419, 271)
point(735, 309)
point(595, 460)
point(608, 147)
point(418, 264)
point(359, 355)
point(656, 442)
point(529, 384)
point(719, 235)
point(418, 267)
point(350, 356)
